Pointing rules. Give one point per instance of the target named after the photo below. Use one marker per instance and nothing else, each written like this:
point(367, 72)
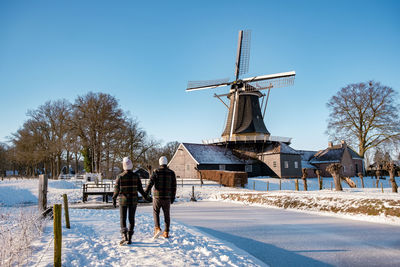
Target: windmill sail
point(199, 85)
point(243, 53)
point(272, 81)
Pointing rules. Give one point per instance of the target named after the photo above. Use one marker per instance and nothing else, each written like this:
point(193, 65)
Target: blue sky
point(144, 52)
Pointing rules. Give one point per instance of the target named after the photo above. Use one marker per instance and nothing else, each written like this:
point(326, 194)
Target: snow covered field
point(94, 235)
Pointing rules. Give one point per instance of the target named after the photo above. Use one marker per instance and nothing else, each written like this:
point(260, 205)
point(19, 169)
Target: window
point(296, 164)
point(274, 164)
point(344, 168)
point(222, 167)
point(286, 164)
point(248, 168)
point(187, 167)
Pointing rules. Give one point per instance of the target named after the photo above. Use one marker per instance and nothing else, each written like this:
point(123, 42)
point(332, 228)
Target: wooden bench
point(104, 190)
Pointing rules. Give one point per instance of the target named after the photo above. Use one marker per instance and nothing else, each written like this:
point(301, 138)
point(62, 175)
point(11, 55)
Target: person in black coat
point(126, 190)
point(164, 181)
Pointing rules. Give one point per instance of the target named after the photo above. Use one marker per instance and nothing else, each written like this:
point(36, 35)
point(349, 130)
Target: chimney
point(344, 145)
point(330, 144)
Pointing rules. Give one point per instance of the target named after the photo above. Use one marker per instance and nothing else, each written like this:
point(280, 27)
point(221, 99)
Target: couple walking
point(126, 189)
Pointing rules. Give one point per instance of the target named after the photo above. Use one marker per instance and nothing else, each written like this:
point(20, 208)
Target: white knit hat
point(127, 164)
point(163, 160)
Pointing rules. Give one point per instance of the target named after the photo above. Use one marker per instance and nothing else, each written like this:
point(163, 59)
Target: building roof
point(307, 165)
point(280, 148)
point(211, 154)
point(306, 155)
point(333, 154)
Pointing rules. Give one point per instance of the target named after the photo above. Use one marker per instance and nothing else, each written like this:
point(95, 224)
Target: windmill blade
point(243, 53)
point(269, 83)
point(200, 85)
point(270, 76)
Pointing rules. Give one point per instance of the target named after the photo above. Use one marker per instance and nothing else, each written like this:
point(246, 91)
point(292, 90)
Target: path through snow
point(93, 240)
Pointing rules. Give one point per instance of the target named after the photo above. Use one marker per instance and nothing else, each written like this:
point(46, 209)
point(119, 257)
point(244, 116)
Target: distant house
point(189, 156)
point(352, 162)
point(284, 161)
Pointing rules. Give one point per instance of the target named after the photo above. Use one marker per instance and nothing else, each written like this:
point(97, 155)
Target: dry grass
point(371, 207)
point(17, 232)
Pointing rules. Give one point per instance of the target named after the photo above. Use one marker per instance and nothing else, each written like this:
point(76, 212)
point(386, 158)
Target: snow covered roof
point(281, 148)
point(306, 155)
point(333, 154)
point(306, 164)
point(211, 154)
point(330, 154)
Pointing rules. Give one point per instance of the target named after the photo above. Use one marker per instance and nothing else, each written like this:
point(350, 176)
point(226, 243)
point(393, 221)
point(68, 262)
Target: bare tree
point(364, 114)
point(391, 168)
point(304, 177)
point(334, 169)
point(94, 116)
point(378, 174)
point(320, 181)
point(360, 174)
point(169, 149)
point(52, 120)
point(3, 159)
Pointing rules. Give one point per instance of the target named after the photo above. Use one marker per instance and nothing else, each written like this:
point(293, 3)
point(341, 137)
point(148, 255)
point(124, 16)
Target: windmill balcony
point(248, 139)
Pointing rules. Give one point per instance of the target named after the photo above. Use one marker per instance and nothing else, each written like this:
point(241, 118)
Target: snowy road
point(287, 238)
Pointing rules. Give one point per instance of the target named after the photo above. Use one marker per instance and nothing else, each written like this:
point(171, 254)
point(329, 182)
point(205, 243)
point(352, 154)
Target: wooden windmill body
point(245, 114)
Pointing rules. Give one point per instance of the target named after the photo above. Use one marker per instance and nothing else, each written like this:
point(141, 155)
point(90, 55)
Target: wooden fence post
point(182, 181)
point(66, 211)
point(220, 179)
point(280, 184)
point(297, 184)
point(267, 185)
point(193, 197)
point(382, 186)
point(254, 185)
point(331, 186)
point(57, 234)
point(42, 193)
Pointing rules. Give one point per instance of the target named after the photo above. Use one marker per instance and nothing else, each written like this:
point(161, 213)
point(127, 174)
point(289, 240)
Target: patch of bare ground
point(371, 207)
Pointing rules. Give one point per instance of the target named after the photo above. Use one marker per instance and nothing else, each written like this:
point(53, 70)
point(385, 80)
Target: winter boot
point(124, 238)
point(166, 234)
point(130, 234)
point(157, 232)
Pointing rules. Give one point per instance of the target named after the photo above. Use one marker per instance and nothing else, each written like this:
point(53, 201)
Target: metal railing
point(244, 138)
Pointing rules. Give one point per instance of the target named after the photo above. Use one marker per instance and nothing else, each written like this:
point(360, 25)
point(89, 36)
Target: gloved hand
point(172, 200)
point(114, 203)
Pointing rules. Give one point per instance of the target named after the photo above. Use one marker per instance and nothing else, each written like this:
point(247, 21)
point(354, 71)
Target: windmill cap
point(163, 160)
point(127, 164)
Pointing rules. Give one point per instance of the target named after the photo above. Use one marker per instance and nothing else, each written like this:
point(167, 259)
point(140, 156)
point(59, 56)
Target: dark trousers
point(163, 204)
point(123, 210)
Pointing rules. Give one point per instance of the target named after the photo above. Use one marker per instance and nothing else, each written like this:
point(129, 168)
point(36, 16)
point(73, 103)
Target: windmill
point(244, 111)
